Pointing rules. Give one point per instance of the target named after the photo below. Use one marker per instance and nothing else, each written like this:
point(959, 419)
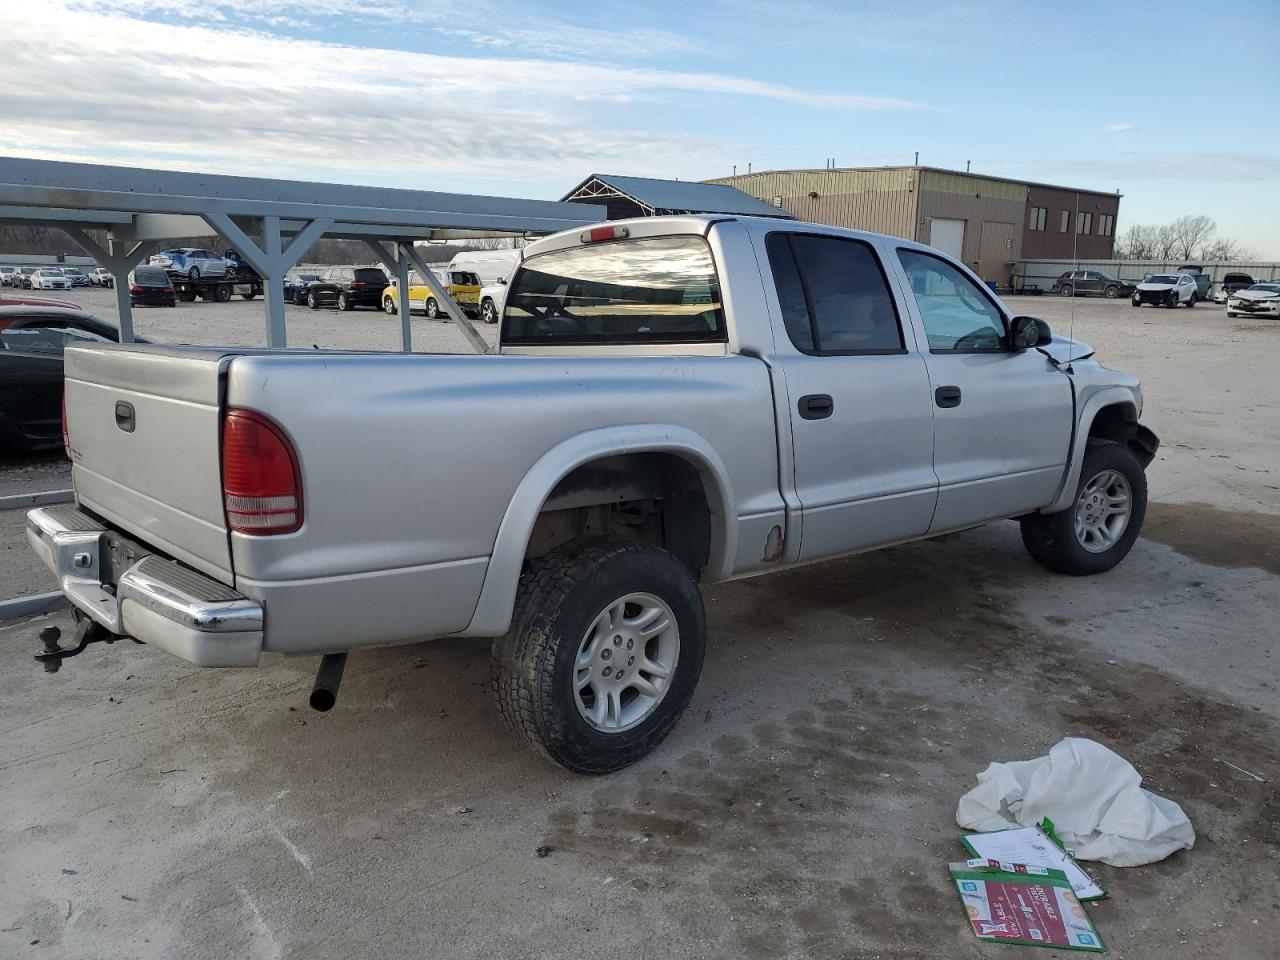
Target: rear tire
point(1089, 537)
point(344, 302)
point(433, 309)
point(223, 293)
point(389, 306)
point(581, 610)
point(193, 273)
point(1230, 314)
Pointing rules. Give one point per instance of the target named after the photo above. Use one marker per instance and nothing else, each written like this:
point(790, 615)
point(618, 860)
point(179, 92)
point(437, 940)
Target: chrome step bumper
point(157, 601)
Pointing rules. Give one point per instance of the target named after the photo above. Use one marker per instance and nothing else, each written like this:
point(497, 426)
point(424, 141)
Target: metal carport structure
point(138, 208)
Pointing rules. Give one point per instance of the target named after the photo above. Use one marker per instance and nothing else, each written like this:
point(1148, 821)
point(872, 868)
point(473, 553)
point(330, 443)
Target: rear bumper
point(156, 601)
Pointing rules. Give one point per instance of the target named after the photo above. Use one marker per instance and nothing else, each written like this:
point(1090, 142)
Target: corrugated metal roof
point(684, 195)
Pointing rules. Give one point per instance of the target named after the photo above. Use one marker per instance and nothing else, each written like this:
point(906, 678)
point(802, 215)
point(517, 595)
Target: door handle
point(816, 406)
point(947, 396)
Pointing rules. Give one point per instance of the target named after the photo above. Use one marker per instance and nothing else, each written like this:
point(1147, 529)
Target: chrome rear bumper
point(157, 601)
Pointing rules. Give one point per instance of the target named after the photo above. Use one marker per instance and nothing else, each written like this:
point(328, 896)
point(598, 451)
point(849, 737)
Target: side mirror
point(1028, 332)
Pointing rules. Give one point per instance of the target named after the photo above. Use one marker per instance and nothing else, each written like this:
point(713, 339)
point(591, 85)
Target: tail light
point(66, 436)
point(134, 288)
point(168, 289)
point(261, 482)
point(598, 234)
point(354, 285)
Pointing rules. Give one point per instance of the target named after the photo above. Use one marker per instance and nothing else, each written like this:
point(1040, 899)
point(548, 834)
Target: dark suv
point(1092, 283)
point(347, 288)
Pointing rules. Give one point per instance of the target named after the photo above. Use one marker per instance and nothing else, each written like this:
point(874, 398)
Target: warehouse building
point(988, 222)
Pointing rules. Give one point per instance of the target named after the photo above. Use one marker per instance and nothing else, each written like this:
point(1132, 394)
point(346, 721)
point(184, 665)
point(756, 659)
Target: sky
point(1173, 104)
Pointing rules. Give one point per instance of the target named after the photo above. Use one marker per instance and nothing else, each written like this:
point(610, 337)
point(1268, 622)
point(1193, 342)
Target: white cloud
point(1123, 127)
point(125, 90)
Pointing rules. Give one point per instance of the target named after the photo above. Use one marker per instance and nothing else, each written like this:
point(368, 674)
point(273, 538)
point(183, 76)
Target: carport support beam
point(400, 266)
point(119, 259)
point(272, 263)
point(444, 299)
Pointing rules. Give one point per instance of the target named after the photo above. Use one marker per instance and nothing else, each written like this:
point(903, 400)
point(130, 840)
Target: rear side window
point(651, 290)
point(833, 294)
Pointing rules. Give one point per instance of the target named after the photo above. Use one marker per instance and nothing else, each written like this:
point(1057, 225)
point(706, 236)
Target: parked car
point(1085, 283)
point(151, 286)
point(22, 278)
point(77, 275)
point(295, 286)
point(31, 343)
point(18, 300)
point(1232, 282)
point(492, 267)
point(1166, 290)
point(1259, 300)
point(102, 277)
point(657, 417)
point(49, 278)
point(347, 288)
point(462, 285)
point(191, 262)
point(239, 267)
point(6, 275)
point(1204, 282)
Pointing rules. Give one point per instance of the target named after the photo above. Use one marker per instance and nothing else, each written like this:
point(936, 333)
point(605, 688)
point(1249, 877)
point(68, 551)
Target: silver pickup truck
point(675, 401)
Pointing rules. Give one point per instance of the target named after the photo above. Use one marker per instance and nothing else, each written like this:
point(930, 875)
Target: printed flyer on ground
point(1012, 903)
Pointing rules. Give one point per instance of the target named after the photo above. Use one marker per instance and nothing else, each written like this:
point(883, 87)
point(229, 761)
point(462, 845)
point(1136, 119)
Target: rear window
point(151, 276)
point(371, 275)
point(652, 290)
point(464, 279)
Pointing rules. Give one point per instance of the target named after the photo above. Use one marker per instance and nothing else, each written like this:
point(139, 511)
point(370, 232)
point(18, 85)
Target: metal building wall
point(977, 200)
point(879, 201)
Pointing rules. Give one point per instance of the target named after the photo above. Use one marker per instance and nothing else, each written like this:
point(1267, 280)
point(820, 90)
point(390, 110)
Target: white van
point(493, 267)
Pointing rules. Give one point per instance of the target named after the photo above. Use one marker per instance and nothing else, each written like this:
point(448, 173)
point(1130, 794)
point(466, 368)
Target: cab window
point(958, 315)
point(833, 295)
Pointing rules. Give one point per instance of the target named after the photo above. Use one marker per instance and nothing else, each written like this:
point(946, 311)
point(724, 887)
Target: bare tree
point(1190, 234)
point(1137, 243)
point(1224, 249)
point(1164, 242)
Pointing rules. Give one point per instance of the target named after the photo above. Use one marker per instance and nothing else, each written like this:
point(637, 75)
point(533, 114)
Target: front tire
point(1097, 531)
point(1112, 292)
point(1065, 290)
point(433, 309)
point(344, 302)
point(193, 273)
point(313, 301)
point(488, 312)
point(586, 612)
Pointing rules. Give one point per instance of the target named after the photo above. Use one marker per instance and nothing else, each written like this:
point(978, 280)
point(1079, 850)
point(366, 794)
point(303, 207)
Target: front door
point(861, 412)
point(1002, 420)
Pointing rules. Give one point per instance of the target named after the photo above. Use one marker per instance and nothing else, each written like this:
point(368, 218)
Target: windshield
point(653, 290)
point(1162, 279)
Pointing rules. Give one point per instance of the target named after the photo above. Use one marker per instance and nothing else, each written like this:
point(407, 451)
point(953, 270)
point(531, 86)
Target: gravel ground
point(803, 808)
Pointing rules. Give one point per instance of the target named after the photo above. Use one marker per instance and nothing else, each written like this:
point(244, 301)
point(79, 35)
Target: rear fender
point(497, 597)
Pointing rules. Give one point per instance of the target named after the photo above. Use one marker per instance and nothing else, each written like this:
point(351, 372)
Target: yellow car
point(463, 286)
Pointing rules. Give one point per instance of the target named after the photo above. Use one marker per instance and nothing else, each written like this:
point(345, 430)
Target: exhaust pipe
point(328, 678)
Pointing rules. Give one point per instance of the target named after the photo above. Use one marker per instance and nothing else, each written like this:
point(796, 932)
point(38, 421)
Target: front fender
point(497, 597)
point(1123, 397)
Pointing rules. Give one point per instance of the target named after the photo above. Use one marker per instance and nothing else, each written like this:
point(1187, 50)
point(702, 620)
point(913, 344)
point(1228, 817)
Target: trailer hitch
point(87, 632)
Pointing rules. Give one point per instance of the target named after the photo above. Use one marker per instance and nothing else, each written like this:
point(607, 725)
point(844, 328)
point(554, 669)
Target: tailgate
point(144, 426)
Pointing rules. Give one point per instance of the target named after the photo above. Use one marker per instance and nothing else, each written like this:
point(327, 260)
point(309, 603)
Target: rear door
point(1002, 420)
point(862, 417)
point(145, 426)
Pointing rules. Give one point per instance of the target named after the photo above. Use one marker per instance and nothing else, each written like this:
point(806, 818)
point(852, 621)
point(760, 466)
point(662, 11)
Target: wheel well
point(1119, 423)
point(658, 498)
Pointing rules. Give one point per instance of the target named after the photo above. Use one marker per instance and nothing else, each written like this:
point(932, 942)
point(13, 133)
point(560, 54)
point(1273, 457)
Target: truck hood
point(1063, 349)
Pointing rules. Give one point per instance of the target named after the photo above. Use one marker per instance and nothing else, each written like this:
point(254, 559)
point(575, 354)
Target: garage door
point(947, 236)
